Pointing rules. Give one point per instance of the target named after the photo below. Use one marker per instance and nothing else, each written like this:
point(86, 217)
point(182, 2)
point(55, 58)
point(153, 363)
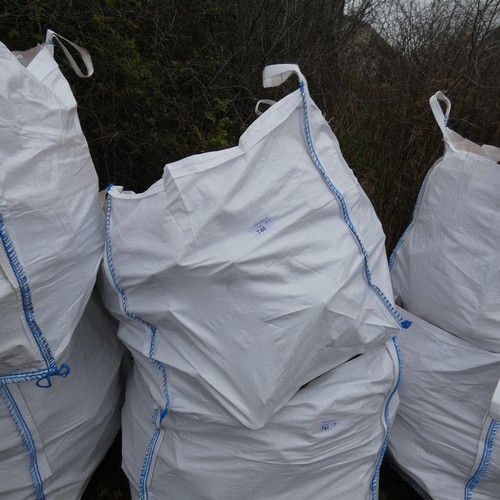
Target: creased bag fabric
point(326, 442)
point(253, 292)
point(60, 358)
point(446, 267)
point(51, 226)
point(444, 437)
point(54, 438)
point(243, 272)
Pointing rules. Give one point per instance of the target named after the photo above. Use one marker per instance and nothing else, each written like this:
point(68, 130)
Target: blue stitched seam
point(412, 222)
point(485, 460)
point(38, 375)
point(29, 314)
point(146, 467)
point(374, 481)
point(403, 323)
point(27, 439)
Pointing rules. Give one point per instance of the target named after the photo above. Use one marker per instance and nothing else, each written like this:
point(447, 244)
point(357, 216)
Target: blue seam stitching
point(153, 329)
point(27, 438)
point(146, 466)
point(38, 375)
point(374, 481)
point(29, 314)
point(347, 219)
point(22, 279)
point(485, 460)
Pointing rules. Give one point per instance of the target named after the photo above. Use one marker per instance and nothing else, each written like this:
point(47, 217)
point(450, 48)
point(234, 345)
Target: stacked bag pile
point(446, 271)
point(59, 356)
point(253, 292)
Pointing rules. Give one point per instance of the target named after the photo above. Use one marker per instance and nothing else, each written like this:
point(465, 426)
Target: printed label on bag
point(262, 226)
point(328, 425)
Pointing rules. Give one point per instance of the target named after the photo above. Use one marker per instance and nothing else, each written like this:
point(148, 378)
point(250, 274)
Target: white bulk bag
point(327, 442)
point(444, 435)
point(248, 272)
point(446, 267)
point(53, 438)
point(51, 226)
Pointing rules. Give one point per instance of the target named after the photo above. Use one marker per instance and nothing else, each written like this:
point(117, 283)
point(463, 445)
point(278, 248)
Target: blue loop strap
point(46, 382)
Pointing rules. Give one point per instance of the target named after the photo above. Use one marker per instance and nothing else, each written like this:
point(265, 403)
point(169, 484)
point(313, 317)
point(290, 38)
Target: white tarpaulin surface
point(446, 267)
point(325, 443)
point(244, 272)
point(50, 222)
point(54, 438)
point(54, 429)
point(240, 277)
point(444, 435)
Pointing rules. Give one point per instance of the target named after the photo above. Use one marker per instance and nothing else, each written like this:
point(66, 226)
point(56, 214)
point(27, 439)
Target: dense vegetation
point(174, 78)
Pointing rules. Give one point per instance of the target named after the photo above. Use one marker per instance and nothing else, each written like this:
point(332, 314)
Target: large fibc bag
point(249, 272)
point(51, 225)
point(446, 267)
point(444, 438)
point(326, 443)
point(54, 438)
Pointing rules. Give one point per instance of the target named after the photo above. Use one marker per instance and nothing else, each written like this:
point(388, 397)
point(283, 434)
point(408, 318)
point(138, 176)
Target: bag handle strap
point(276, 74)
point(273, 76)
point(87, 60)
point(437, 110)
point(490, 152)
point(267, 102)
